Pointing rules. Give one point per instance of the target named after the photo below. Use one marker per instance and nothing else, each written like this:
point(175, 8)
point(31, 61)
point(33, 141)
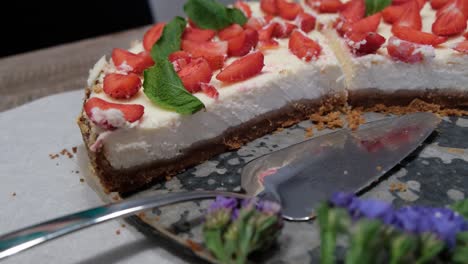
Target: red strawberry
point(131, 112)
point(214, 52)
point(121, 86)
point(368, 24)
point(437, 4)
point(209, 90)
point(325, 6)
point(243, 68)
point(462, 47)
point(268, 18)
point(410, 17)
point(306, 22)
point(249, 43)
point(230, 32)
point(466, 35)
point(198, 35)
point(392, 13)
point(266, 33)
point(353, 11)
point(462, 5)
point(363, 43)
point(180, 59)
point(283, 30)
point(288, 10)
point(269, 7)
point(152, 35)
point(303, 47)
point(416, 36)
point(402, 50)
point(450, 20)
point(421, 3)
point(245, 8)
point(268, 44)
point(196, 72)
point(255, 23)
point(130, 62)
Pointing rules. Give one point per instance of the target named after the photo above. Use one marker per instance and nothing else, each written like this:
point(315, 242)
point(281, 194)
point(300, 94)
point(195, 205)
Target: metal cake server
point(298, 177)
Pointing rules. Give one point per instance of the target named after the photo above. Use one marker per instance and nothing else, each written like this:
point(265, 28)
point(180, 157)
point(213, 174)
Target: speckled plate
point(435, 174)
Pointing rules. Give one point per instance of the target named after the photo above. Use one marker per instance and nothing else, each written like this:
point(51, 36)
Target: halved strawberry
point(416, 36)
point(449, 21)
point(283, 30)
point(325, 6)
point(392, 13)
point(209, 90)
point(306, 22)
point(266, 33)
point(421, 3)
point(303, 47)
point(269, 7)
point(121, 86)
point(214, 52)
point(243, 68)
point(462, 5)
point(255, 23)
point(248, 41)
point(230, 32)
point(408, 52)
point(410, 17)
point(152, 35)
point(196, 72)
point(436, 4)
point(288, 10)
point(244, 7)
point(462, 47)
point(180, 59)
point(264, 45)
point(130, 62)
point(368, 24)
point(466, 35)
point(131, 112)
point(198, 35)
point(363, 43)
point(353, 11)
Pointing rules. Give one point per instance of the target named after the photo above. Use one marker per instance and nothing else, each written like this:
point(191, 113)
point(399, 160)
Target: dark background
point(30, 25)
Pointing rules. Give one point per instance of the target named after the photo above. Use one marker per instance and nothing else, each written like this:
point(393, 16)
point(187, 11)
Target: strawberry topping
point(466, 35)
point(325, 6)
point(130, 113)
point(303, 47)
point(392, 13)
point(214, 52)
point(405, 51)
point(244, 7)
point(416, 36)
point(420, 3)
point(243, 68)
point(288, 10)
point(437, 4)
point(180, 59)
point(196, 72)
point(353, 11)
point(152, 35)
point(198, 35)
point(283, 30)
point(368, 24)
point(120, 86)
point(130, 62)
point(306, 22)
point(450, 20)
point(410, 17)
point(230, 32)
point(269, 7)
point(255, 23)
point(462, 47)
point(209, 90)
point(363, 43)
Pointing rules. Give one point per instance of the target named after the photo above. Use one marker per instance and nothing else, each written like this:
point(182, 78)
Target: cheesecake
point(194, 88)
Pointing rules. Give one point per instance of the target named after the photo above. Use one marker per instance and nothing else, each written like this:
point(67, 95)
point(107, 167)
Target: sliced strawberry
point(230, 32)
point(249, 40)
point(342, 26)
point(244, 7)
point(243, 68)
point(325, 6)
point(416, 36)
point(437, 4)
point(283, 30)
point(266, 33)
point(209, 90)
point(268, 44)
point(131, 112)
point(392, 13)
point(368, 24)
point(421, 3)
point(198, 35)
point(180, 59)
point(353, 11)
point(268, 18)
point(130, 62)
point(121, 86)
point(462, 47)
point(152, 35)
point(214, 52)
point(466, 35)
point(303, 47)
point(196, 72)
point(405, 51)
point(288, 10)
point(462, 5)
point(306, 22)
point(449, 21)
point(269, 7)
point(255, 23)
point(410, 17)
point(363, 43)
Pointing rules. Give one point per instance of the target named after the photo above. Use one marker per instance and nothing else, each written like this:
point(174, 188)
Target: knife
point(298, 177)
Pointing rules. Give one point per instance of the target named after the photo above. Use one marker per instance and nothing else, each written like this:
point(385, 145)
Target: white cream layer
point(162, 134)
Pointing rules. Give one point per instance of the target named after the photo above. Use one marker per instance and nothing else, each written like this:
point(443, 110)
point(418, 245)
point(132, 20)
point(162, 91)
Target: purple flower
point(375, 209)
point(341, 199)
point(268, 207)
point(222, 202)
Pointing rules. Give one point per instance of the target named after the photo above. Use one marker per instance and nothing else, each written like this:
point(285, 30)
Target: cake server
point(298, 177)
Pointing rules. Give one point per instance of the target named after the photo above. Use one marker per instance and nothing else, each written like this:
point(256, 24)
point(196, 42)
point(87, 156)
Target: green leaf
point(375, 6)
point(460, 255)
point(461, 207)
point(329, 222)
point(365, 242)
point(462, 238)
point(401, 246)
point(213, 241)
point(170, 39)
point(430, 248)
point(210, 14)
point(163, 87)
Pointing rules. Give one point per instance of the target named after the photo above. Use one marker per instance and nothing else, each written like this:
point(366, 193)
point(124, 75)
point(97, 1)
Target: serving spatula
point(298, 177)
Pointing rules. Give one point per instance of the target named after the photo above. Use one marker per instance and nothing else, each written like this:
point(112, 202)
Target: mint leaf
point(169, 41)
point(163, 87)
point(375, 6)
point(210, 14)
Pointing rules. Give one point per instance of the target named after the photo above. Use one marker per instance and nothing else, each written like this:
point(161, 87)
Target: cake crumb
point(354, 118)
point(123, 225)
point(400, 187)
point(53, 156)
point(117, 232)
point(417, 105)
point(115, 197)
point(97, 88)
point(309, 132)
point(194, 246)
point(74, 149)
point(81, 180)
point(13, 194)
point(330, 120)
point(141, 214)
point(235, 143)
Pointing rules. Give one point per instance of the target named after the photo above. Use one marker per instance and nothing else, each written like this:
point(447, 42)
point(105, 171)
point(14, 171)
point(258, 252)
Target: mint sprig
point(375, 6)
point(161, 84)
point(210, 14)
